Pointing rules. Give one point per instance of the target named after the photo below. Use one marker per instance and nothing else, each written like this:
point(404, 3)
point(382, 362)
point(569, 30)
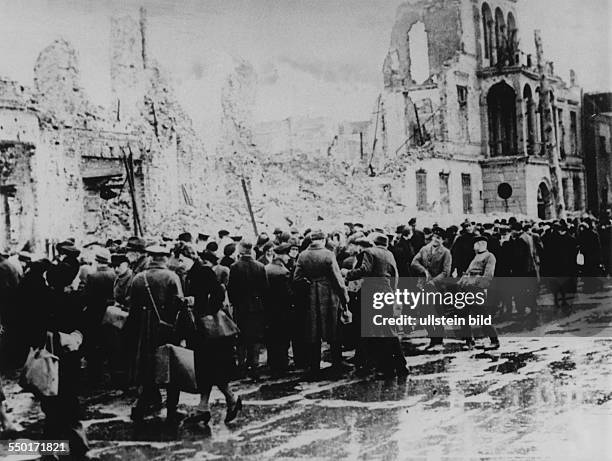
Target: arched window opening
point(529, 117)
point(512, 44)
point(501, 106)
point(419, 53)
point(544, 202)
point(539, 132)
point(487, 27)
point(500, 34)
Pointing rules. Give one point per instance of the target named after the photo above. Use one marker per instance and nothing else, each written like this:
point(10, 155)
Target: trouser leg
point(300, 353)
point(336, 352)
point(252, 355)
point(149, 395)
point(62, 423)
point(397, 352)
point(315, 355)
point(172, 398)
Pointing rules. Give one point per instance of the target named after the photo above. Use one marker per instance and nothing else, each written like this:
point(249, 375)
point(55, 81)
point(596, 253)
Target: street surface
point(544, 395)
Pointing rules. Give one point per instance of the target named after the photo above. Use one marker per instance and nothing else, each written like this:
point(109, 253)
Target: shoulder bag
point(166, 330)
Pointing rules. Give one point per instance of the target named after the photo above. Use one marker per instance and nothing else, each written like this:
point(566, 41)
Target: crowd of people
point(287, 292)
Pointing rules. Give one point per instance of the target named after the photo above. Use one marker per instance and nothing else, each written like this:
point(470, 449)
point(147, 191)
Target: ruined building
point(598, 149)
point(458, 86)
point(67, 167)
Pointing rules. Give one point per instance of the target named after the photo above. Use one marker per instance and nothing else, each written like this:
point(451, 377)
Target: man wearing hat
point(98, 295)
point(277, 233)
point(246, 289)
point(559, 262)
point(417, 239)
point(318, 273)
point(379, 264)
point(201, 242)
point(478, 276)
point(155, 300)
point(135, 251)
point(278, 304)
point(462, 250)
point(521, 265)
point(228, 255)
point(403, 250)
point(433, 262)
point(121, 288)
point(262, 239)
point(224, 239)
point(267, 253)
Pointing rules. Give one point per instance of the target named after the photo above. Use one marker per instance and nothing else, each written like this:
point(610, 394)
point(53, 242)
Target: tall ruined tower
point(128, 64)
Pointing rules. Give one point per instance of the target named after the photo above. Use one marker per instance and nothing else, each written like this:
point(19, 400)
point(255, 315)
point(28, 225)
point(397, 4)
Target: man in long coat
point(378, 263)
point(154, 299)
point(434, 262)
point(98, 294)
point(462, 250)
point(246, 288)
point(318, 268)
point(559, 262)
point(278, 309)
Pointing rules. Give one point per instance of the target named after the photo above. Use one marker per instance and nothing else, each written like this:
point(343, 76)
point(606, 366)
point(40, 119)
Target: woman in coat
point(213, 358)
point(318, 270)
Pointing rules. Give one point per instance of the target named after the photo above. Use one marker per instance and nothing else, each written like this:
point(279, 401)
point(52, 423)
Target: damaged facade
point(598, 149)
point(64, 162)
point(458, 85)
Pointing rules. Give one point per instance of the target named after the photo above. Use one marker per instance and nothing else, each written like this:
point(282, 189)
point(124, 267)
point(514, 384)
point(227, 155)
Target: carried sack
point(166, 330)
point(40, 375)
point(175, 365)
point(219, 325)
point(580, 259)
point(115, 316)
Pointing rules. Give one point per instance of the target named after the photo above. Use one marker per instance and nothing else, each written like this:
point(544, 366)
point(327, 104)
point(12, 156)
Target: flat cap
point(158, 250)
point(67, 248)
point(282, 249)
point(317, 235)
point(438, 231)
point(103, 256)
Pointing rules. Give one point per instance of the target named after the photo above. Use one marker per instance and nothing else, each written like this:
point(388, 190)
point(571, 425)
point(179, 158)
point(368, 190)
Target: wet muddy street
point(544, 395)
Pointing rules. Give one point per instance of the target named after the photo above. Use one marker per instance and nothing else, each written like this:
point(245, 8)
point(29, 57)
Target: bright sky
point(313, 57)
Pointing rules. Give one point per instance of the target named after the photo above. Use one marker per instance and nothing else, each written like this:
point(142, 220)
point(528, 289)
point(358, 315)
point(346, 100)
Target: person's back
point(164, 286)
point(247, 281)
point(404, 253)
point(379, 263)
point(99, 292)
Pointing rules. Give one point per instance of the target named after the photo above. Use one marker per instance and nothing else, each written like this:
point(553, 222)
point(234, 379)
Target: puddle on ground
point(513, 363)
point(429, 368)
point(275, 390)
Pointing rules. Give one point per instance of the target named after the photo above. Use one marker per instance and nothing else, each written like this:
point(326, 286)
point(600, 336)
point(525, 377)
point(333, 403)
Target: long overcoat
point(278, 303)
point(325, 291)
point(143, 332)
point(246, 289)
